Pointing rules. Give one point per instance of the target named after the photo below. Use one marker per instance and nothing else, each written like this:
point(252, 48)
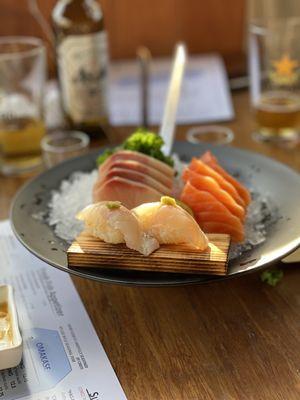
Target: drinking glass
point(274, 67)
point(61, 145)
point(213, 134)
point(22, 80)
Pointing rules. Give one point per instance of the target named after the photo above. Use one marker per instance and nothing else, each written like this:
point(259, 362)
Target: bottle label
point(82, 67)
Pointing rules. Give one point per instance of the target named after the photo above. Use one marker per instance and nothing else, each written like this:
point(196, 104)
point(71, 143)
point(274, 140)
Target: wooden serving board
point(87, 251)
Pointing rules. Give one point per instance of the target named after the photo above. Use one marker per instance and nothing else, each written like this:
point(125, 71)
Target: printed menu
point(205, 94)
point(63, 358)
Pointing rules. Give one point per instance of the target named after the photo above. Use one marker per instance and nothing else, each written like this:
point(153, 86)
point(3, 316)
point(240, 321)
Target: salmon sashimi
point(137, 177)
point(203, 169)
point(217, 227)
point(137, 167)
point(208, 209)
point(210, 160)
point(141, 158)
point(128, 192)
point(209, 184)
point(212, 216)
point(199, 200)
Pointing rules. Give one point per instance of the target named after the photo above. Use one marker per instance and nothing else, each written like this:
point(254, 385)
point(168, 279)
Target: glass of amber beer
point(22, 80)
point(274, 67)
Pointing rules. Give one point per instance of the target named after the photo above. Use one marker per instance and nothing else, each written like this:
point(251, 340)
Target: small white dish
point(10, 352)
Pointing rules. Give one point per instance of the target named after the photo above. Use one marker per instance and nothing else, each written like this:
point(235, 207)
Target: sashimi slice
point(137, 177)
point(138, 167)
point(205, 206)
point(210, 160)
point(142, 158)
point(222, 217)
point(217, 227)
point(200, 200)
point(203, 169)
point(129, 193)
point(207, 183)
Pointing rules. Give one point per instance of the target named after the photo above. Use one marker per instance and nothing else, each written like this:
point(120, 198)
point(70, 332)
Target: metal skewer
point(144, 56)
point(167, 128)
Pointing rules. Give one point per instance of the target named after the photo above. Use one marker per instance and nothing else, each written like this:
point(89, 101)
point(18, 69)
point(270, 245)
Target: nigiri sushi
point(113, 223)
point(169, 223)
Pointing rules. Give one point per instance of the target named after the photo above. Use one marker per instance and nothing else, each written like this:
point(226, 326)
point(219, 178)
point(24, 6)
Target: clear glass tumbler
point(61, 145)
point(22, 81)
point(274, 66)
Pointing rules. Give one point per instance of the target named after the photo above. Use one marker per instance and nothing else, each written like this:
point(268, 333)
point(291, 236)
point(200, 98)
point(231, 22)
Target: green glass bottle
point(82, 63)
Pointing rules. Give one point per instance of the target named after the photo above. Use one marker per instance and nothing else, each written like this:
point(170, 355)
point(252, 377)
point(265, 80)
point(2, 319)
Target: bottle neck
point(77, 14)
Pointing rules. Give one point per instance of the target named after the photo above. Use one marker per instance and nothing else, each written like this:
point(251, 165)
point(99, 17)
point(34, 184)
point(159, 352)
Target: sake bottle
point(82, 63)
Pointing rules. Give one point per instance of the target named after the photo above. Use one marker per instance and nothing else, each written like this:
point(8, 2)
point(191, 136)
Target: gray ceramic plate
point(270, 177)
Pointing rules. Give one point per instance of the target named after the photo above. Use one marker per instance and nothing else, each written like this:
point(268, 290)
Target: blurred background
point(108, 64)
point(205, 26)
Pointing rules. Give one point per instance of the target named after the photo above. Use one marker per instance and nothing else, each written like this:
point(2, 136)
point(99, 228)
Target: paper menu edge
point(97, 359)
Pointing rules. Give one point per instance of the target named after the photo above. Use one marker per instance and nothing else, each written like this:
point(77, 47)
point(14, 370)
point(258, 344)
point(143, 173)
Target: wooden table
point(237, 340)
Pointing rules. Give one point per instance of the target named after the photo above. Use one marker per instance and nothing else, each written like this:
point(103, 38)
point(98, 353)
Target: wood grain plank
point(87, 251)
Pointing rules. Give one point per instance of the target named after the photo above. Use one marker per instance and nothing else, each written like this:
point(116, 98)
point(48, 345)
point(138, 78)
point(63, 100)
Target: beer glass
point(22, 80)
point(274, 67)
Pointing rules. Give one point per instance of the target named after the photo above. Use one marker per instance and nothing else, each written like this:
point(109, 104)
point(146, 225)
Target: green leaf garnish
point(103, 156)
point(143, 141)
point(272, 276)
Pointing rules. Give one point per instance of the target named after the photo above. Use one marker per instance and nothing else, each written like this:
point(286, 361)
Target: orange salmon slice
point(218, 227)
point(199, 200)
point(220, 217)
point(209, 184)
point(212, 162)
point(208, 209)
point(201, 168)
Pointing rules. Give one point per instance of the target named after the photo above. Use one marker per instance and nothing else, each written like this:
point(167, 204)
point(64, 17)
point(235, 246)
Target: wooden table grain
point(232, 340)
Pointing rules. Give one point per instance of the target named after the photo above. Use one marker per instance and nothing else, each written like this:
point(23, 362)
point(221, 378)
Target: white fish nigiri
point(170, 224)
point(114, 223)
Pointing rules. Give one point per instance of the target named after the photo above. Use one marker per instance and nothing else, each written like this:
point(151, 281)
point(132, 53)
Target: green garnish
point(168, 201)
point(143, 141)
point(148, 143)
point(272, 276)
point(113, 205)
point(103, 156)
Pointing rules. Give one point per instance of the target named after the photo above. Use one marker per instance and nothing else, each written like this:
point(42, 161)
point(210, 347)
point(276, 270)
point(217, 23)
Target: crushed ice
point(75, 193)
point(261, 214)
